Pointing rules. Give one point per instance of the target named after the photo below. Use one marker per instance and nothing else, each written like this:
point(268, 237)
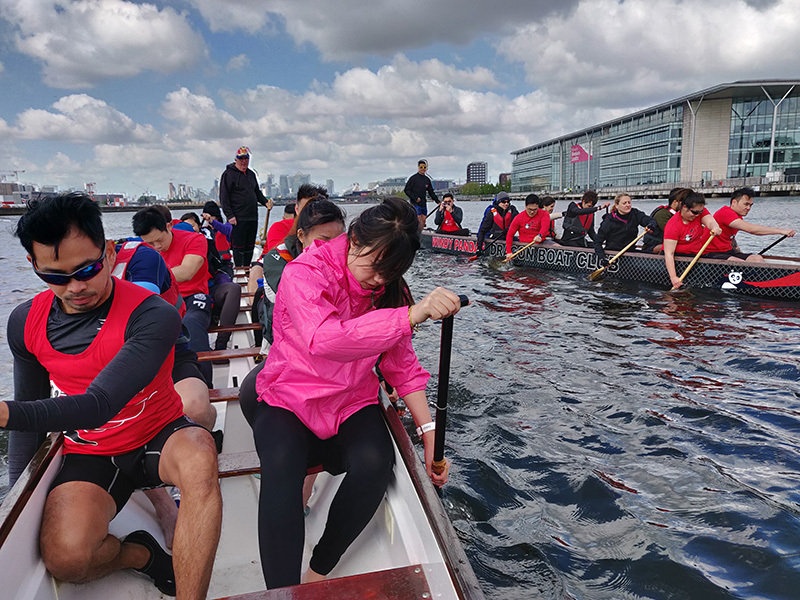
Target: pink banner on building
point(578, 154)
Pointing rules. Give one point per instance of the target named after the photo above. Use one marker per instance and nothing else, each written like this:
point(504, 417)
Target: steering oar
point(439, 463)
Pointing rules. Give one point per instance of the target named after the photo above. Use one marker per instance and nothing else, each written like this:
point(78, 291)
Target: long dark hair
point(391, 231)
point(319, 211)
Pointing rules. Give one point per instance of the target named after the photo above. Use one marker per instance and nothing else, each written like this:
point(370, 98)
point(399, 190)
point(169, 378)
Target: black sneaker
point(159, 567)
point(218, 435)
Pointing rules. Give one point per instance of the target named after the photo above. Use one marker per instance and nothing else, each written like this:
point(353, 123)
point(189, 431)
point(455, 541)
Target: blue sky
point(117, 92)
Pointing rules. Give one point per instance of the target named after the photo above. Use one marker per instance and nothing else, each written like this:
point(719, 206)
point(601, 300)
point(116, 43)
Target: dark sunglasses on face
point(696, 212)
point(83, 274)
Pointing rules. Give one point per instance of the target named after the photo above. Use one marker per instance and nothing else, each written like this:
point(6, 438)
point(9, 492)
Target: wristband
point(410, 322)
point(425, 428)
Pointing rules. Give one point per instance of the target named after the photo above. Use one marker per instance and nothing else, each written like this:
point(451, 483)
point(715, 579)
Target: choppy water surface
point(608, 440)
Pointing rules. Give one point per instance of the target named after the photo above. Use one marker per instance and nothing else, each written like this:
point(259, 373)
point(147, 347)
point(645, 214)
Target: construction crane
point(5, 174)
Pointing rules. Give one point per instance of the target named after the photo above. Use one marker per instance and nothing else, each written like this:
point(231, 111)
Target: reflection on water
point(610, 440)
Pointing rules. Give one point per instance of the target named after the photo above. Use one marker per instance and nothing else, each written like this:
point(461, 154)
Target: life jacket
point(578, 225)
point(223, 246)
point(124, 256)
point(144, 415)
point(656, 236)
point(449, 223)
point(502, 221)
point(216, 262)
point(274, 262)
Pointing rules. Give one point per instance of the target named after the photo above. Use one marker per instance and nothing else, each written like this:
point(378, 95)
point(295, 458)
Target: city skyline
point(132, 95)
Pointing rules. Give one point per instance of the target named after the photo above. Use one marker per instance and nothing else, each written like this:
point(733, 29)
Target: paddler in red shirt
point(532, 224)
point(448, 217)
point(687, 231)
point(731, 220)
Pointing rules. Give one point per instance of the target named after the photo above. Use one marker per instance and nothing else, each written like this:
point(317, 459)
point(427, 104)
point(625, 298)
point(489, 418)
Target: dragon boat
point(776, 278)
point(408, 550)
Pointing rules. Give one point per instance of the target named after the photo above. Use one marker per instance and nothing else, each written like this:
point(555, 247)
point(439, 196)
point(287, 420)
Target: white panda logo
point(734, 279)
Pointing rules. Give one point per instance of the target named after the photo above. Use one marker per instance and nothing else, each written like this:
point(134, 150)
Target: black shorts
point(186, 365)
point(122, 474)
point(726, 255)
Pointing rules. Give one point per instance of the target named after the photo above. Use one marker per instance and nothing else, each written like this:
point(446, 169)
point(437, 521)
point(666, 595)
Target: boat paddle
point(439, 463)
point(694, 260)
point(775, 243)
point(520, 251)
point(266, 225)
point(477, 255)
point(595, 275)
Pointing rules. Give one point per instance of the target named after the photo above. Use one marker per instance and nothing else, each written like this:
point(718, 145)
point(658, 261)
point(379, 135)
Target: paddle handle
point(695, 259)
point(626, 248)
point(520, 251)
point(266, 223)
point(776, 242)
point(444, 385)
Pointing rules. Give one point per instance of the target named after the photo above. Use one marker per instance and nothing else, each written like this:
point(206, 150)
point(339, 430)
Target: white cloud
point(238, 62)
point(606, 53)
point(79, 118)
point(83, 42)
point(251, 16)
point(197, 117)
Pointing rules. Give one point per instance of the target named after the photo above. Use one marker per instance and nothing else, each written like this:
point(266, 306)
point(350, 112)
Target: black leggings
point(287, 448)
point(243, 240)
point(227, 298)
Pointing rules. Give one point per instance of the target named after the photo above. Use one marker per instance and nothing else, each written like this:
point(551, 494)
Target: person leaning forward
point(579, 220)
point(107, 347)
point(731, 220)
point(240, 195)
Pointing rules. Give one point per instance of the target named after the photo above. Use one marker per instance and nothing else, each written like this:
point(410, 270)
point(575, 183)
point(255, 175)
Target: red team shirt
point(183, 243)
point(528, 227)
point(724, 243)
point(690, 237)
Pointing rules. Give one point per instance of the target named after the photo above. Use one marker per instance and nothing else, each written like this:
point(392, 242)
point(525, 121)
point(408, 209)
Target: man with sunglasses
point(418, 186)
point(240, 195)
point(687, 231)
point(731, 220)
point(105, 347)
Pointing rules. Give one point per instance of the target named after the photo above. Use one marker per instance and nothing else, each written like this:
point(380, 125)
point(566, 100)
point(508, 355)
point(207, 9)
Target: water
point(608, 440)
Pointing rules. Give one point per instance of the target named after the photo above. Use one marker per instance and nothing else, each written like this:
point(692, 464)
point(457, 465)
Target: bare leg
point(755, 258)
point(196, 406)
point(311, 576)
point(308, 487)
point(256, 273)
point(166, 512)
point(189, 461)
point(421, 219)
point(74, 538)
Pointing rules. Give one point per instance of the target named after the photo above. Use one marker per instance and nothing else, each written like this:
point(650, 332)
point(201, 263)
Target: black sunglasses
point(83, 274)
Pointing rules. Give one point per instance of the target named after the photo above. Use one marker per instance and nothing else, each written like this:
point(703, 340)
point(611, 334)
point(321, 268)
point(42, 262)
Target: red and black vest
point(146, 413)
point(502, 221)
point(449, 223)
point(223, 246)
point(124, 256)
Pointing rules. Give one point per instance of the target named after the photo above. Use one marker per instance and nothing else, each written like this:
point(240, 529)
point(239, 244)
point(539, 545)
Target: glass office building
point(746, 129)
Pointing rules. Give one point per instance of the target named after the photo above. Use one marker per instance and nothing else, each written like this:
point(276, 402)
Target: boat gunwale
point(462, 575)
point(21, 492)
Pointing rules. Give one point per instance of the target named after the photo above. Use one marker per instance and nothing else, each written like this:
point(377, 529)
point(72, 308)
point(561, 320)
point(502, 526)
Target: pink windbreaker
point(327, 339)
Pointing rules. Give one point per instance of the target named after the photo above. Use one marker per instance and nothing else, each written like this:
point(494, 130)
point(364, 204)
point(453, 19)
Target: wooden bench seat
point(228, 354)
point(223, 394)
point(235, 327)
point(235, 464)
point(388, 584)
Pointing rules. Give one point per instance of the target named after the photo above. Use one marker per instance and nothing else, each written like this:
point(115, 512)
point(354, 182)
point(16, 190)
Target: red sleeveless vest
point(146, 413)
point(502, 222)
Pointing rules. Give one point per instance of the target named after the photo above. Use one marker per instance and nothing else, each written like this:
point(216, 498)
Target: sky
point(132, 95)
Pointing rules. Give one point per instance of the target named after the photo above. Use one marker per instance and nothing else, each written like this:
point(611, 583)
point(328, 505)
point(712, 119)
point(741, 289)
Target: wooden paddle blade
point(595, 275)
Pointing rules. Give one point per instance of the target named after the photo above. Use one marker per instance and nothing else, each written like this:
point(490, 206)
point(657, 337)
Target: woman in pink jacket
point(341, 305)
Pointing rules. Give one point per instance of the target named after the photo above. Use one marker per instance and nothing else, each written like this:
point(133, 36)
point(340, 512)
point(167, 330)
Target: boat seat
point(388, 584)
point(235, 464)
point(229, 354)
point(235, 327)
point(223, 394)
point(246, 307)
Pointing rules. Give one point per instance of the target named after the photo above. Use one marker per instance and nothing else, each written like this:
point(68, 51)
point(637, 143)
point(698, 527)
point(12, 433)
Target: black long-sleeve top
point(150, 335)
point(239, 194)
point(417, 187)
point(617, 231)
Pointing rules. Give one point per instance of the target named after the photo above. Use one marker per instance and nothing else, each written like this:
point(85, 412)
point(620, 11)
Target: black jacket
point(617, 231)
point(417, 187)
point(574, 230)
point(239, 194)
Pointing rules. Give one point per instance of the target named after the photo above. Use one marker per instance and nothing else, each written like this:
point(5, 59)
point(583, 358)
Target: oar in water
point(471, 258)
point(439, 463)
point(595, 275)
point(520, 251)
point(694, 260)
point(775, 243)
